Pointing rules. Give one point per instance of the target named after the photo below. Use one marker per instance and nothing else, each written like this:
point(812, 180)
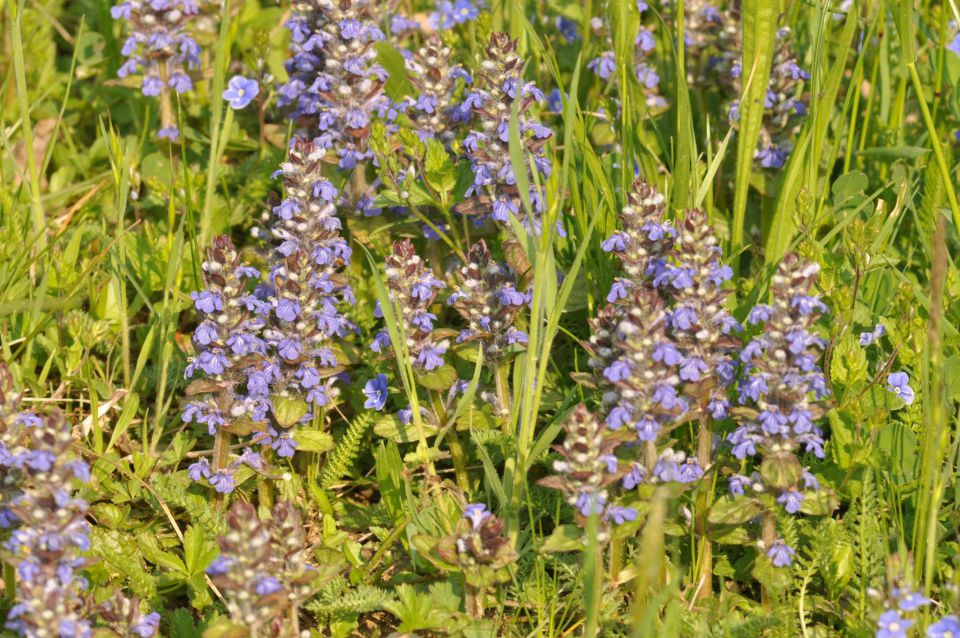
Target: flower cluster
point(335, 85)
point(307, 285)
point(413, 289)
point(643, 242)
point(895, 621)
point(450, 14)
point(263, 569)
point(783, 107)
point(711, 36)
point(229, 346)
point(47, 548)
point(13, 425)
point(488, 299)
point(498, 85)
point(637, 364)
point(782, 386)
point(700, 326)
point(588, 466)
point(159, 46)
point(125, 618)
point(434, 112)
point(605, 65)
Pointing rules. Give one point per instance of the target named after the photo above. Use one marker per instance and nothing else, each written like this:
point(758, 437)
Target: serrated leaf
point(198, 550)
point(440, 172)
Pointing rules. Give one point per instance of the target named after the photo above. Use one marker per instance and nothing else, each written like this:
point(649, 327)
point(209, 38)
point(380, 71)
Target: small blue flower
point(891, 625)
point(868, 338)
point(376, 391)
point(898, 383)
point(240, 92)
point(911, 601)
point(781, 554)
point(946, 627)
point(475, 513)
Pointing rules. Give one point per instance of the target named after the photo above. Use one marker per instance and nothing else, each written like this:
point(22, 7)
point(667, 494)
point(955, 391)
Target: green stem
point(15, 10)
point(9, 583)
point(935, 142)
point(217, 146)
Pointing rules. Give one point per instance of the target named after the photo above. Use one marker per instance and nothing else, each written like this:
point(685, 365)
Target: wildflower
point(780, 554)
point(586, 469)
point(240, 92)
point(780, 373)
point(911, 601)
point(892, 625)
point(376, 392)
point(308, 286)
point(476, 513)
point(898, 383)
point(227, 338)
point(435, 113)
point(489, 302)
point(868, 338)
point(413, 289)
point(263, 569)
point(450, 14)
point(335, 83)
point(159, 43)
point(946, 627)
point(489, 104)
point(48, 546)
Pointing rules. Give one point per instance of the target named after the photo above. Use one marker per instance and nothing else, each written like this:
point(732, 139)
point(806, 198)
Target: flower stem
point(704, 580)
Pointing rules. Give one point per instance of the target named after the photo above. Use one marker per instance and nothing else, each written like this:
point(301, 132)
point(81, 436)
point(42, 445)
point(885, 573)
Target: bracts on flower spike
point(782, 391)
point(263, 570)
point(229, 347)
point(336, 86)
point(160, 46)
point(48, 545)
point(308, 286)
point(587, 468)
point(498, 86)
point(413, 289)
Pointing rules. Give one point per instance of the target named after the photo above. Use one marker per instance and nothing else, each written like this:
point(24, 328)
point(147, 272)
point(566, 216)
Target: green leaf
point(820, 503)
point(398, 85)
point(728, 510)
point(565, 538)
point(440, 379)
point(313, 440)
point(782, 470)
point(288, 410)
point(391, 427)
point(198, 550)
point(440, 172)
point(151, 551)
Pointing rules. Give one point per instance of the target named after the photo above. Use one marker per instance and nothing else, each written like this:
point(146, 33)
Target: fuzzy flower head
point(643, 241)
point(434, 111)
point(159, 44)
point(489, 301)
point(335, 88)
point(637, 364)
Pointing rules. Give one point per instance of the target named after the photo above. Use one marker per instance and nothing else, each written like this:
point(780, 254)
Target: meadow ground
point(521, 318)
